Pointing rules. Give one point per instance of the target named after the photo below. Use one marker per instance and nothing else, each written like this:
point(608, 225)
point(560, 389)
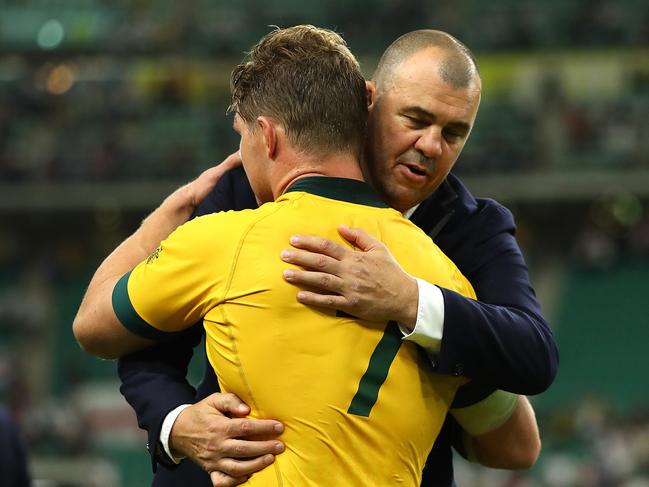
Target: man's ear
point(268, 129)
point(371, 94)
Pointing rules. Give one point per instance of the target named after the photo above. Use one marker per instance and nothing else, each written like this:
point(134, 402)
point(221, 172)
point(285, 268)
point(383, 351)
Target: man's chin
point(401, 201)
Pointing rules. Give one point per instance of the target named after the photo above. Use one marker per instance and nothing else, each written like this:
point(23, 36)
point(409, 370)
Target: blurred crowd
point(112, 119)
point(592, 445)
point(586, 445)
point(137, 90)
point(229, 27)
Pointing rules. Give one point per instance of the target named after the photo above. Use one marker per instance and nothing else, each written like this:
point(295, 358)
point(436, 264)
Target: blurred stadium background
point(105, 107)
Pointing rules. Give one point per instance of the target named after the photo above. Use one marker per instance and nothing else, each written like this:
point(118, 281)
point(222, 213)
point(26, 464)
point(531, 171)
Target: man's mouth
point(416, 170)
point(412, 174)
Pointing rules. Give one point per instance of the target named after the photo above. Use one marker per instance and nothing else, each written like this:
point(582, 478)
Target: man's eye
point(451, 135)
point(415, 121)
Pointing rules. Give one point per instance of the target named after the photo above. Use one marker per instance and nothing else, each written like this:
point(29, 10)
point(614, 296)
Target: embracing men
point(360, 406)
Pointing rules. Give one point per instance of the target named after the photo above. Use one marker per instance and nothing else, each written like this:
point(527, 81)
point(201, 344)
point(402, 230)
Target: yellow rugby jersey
point(360, 406)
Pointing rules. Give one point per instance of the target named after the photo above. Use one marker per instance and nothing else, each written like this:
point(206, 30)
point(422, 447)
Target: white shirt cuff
point(165, 431)
point(430, 318)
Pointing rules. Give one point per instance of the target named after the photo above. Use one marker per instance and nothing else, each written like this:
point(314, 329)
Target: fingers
point(323, 300)
point(247, 449)
point(232, 161)
point(319, 245)
point(358, 237)
point(198, 189)
point(222, 480)
point(228, 404)
point(320, 281)
point(213, 174)
point(310, 260)
point(236, 469)
point(322, 246)
point(246, 428)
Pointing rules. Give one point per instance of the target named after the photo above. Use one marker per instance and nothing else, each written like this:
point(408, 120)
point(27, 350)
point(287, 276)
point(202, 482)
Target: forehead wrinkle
point(416, 84)
point(433, 114)
point(459, 124)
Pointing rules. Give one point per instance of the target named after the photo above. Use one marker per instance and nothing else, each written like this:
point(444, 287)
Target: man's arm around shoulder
point(499, 432)
point(96, 326)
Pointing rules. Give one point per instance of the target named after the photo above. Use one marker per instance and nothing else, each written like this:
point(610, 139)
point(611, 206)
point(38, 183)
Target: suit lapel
point(435, 212)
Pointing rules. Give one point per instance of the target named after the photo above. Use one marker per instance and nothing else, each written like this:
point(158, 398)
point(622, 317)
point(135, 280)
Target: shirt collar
point(408, 213)
point(343, 189)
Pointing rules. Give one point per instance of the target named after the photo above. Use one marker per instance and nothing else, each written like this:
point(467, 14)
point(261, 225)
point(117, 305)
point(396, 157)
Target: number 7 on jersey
point(377, 371)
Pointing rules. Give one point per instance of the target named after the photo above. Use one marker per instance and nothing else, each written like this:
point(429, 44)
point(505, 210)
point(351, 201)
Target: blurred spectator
point(132, 90)
point(13, 459)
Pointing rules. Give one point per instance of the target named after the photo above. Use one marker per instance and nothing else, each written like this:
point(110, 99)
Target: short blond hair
point(307, 78)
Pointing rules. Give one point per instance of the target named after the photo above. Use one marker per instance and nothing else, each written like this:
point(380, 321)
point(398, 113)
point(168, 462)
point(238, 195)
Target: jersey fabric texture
point(360, 406)
point(502, 341)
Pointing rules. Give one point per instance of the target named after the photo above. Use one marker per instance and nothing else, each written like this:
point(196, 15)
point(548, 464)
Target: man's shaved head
point(458, 67)
point(424, 98)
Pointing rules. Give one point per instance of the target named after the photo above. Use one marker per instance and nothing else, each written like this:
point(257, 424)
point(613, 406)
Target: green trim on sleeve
point(128, 316)
point(488, 414)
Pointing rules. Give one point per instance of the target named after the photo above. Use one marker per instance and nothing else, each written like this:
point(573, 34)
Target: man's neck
point(342, 165)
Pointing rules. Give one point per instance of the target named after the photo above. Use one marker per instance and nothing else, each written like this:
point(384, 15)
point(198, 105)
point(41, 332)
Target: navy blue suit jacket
point(500, 342)
point(13, 461)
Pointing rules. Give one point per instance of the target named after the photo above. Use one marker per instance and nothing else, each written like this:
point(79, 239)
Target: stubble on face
point(394, 131)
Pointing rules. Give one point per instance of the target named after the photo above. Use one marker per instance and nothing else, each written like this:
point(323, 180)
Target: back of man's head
point(307, 79)
point(458, 66)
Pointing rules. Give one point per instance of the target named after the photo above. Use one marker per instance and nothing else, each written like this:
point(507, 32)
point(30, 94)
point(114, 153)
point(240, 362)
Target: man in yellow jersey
point(300, 108)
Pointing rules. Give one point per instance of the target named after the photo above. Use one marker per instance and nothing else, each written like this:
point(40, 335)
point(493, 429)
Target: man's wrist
point(409, 308)
point(165, 432)
point(183, 199)
point(429, 325)
point(175, 209)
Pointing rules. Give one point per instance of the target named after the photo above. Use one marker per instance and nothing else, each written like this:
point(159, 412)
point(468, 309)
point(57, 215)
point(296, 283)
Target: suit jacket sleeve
point(154, 380)
point(501, 340)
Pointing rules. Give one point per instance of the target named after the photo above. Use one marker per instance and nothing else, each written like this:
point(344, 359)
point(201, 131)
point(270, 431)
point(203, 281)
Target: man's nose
point(430, 143)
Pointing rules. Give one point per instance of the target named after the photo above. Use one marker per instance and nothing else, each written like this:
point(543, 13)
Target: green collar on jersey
point(343, 189)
